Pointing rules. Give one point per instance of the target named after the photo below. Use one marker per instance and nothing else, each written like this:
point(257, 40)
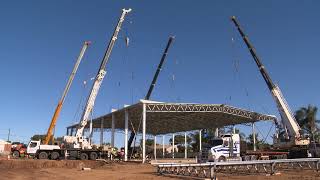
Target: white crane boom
point(289, 122)
point(79, 141)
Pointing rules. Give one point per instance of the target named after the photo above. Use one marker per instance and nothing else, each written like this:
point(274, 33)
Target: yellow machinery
point(49, 135)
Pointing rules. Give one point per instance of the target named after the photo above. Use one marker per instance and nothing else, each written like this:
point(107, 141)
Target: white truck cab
point(224, 147)
point(35, 146)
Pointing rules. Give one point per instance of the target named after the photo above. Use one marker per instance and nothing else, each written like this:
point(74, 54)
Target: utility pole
point(8, 135)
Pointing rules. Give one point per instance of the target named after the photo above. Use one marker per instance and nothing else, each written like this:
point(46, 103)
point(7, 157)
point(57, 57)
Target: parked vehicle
point(78, 146)
point(230, 146)
point(19, 150)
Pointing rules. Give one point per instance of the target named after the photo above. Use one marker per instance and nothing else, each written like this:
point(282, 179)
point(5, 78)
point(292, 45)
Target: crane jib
point(80, 141)
point(54, 119)
point(289, 122)
point(262, 70)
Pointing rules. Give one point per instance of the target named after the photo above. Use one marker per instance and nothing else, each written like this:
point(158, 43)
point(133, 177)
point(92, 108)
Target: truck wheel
point(43, 155)
point(16, 154)
point(93, 155)
point(84, 156)
point(55, 155)
point(222, 159)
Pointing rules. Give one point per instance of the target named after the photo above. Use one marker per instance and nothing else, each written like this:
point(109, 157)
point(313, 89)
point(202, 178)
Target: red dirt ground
point(69, 169)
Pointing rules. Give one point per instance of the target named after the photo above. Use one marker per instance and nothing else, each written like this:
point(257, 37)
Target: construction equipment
point(49, 135)
point(78, 146)
point(153, 83)
point(230, 147)
point(294, 140)
point(18, 150)
point(80, 141)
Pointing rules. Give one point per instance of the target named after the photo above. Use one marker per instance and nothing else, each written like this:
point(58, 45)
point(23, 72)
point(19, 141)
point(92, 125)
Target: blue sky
point(41, 40)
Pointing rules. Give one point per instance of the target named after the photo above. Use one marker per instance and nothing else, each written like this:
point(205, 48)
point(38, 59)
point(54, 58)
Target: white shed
point(5, 147)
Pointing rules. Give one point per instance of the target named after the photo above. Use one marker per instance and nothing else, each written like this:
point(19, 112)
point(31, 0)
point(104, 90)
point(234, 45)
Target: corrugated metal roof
point(164, 118)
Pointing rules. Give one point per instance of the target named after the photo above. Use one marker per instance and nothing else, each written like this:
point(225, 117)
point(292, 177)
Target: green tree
point(149, 142)
point(260, 144)
point(237, 131)
point(195, 141)
point(206, 135)
point(38, 137)
point(306, 118)
point(179, 140)
point(41, 137)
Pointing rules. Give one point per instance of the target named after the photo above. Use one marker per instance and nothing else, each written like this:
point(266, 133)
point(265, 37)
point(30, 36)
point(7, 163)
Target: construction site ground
point(29, 169)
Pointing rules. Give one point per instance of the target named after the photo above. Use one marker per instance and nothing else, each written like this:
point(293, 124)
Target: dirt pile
point(30, 164)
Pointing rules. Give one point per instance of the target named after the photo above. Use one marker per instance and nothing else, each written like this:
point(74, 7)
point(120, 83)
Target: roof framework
point(165, 118)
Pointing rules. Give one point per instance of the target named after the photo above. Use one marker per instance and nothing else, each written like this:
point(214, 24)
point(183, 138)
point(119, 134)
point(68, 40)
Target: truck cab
point(35, 147)
point(224, 147)
point(32, 147)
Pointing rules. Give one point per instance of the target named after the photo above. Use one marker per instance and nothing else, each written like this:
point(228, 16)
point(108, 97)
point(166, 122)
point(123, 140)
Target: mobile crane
point(49, 135)
point(79, 141)
point(293, 140)
point(78, 146)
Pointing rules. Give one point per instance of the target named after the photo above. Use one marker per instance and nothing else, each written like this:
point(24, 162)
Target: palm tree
point(306, 118)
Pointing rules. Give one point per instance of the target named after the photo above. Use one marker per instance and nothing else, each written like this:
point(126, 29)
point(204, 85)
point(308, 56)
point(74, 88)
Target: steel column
point(216, 132)
point(126, 118)
point(172, 146)
point(163, 150)
point(144, 119)
point(113, 119)
point(200, 140)
point(101, 131)
point(254, 137)
point(155, 148)
point(185, 146)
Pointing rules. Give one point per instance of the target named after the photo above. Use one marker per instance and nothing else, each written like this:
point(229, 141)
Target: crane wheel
point(16, 154)
point(93, 155)
point(54, 155)
point(43, 155)
point(222, 159)
point(84, 156)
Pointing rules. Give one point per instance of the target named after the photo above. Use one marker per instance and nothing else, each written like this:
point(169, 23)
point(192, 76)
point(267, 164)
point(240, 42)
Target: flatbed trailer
point(264, 155)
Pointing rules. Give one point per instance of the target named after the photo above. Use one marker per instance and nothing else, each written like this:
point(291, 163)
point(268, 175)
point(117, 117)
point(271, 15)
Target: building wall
point(5, 149)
